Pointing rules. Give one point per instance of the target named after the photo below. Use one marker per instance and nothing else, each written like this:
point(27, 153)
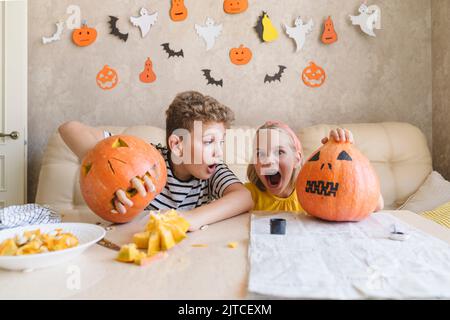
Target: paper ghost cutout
point(369, 18)
point(265, 29)
point(211, 80)
point(171, 52)
point(148, 75)
point(56, 36)
point(276, 76)
point(299, 32)
point(145, 21)
point(115, 31)
point(209, 32)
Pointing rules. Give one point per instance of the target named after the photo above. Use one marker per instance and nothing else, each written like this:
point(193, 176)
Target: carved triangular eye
point(315, 157)
point(344, 156)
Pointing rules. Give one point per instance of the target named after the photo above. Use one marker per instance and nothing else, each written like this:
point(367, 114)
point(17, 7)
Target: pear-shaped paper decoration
point(148, 75)
point(265, 29)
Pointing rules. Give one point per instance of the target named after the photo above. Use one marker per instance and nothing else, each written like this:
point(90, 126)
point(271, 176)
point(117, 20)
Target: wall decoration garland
point(148, 75)
point(172, 53)
point(299, 32)
point(209, 32)
point(369, 18)
point(276, 76)
point(84, 36)
point(265, 29)
point(313, 75)
point(145, 21)
point(56, 36)
point(329, 34)
point(107, 78)
point(211, 80)
point(240, 56)
point(178, 11)
point(235, 6)
point(115, 31)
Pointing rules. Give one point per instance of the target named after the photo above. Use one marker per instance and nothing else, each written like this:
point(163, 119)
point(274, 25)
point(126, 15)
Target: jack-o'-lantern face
point(178, 11)
point(338, 183)
point(235, 6)
point(111, 165)
point(107, 78)
point(241, 55)
point(313, 75)
point(84, 36)
point(329, 35)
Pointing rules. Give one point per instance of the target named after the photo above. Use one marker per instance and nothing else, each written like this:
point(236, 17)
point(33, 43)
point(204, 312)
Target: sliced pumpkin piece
point(167, 240)
point(141, 239)
point(154, 243)
point(128, 253)
point(8, 248)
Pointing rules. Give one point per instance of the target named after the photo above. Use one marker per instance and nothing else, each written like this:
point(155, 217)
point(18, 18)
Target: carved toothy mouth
point(325, 188)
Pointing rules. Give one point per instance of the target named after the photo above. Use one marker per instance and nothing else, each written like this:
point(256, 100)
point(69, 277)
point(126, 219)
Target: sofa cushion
point(439, 215)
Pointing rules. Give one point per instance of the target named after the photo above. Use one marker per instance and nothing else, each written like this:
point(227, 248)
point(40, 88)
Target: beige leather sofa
point(398, 152)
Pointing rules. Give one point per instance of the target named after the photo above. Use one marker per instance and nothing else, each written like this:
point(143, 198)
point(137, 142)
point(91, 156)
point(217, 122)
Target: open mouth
point(212, 168)
point(273, 180)
point(320, 187)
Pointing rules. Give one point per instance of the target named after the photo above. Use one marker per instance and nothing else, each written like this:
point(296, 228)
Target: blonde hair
point(251, 169)
point(191, 106)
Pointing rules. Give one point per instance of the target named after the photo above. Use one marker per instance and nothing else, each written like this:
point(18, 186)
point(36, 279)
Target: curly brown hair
point(191, 106)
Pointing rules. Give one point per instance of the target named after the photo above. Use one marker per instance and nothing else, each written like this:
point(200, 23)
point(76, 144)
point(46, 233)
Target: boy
point(192, 182)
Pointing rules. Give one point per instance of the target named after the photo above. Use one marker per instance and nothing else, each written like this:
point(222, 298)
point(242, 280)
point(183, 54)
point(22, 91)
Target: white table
point(212, 272)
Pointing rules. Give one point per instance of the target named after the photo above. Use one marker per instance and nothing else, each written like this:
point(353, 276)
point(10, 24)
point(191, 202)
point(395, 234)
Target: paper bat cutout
point(172, 53)
point(115, 31)
point(211, 80)
point(209, 32)
point(276, 76)
point(56, 36)
point(369, 18)
point(145, 21)
point(299, 32)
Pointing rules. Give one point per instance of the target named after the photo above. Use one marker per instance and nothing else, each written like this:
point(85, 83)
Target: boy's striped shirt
point(187, 195)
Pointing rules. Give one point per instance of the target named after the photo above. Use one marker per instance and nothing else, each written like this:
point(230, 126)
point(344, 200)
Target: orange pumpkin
point(235, 6)
point(84, 36)
point(178, 11)
point(241, 55)
point(107, 78)
point(329, 35)
point(338, 183)
point(313, 75)
point(111, 165)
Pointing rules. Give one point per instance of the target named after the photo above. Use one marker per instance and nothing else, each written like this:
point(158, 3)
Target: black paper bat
point(276, 76)
point(115, 31)
point(211, 80)
point(172, 53)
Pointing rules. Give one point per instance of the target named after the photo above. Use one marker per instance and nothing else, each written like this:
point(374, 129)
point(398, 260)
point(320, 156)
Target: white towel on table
point(28, 214)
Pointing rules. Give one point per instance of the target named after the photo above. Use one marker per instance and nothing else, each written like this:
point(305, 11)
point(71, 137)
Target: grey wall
point(441, 86)
point(369, 80)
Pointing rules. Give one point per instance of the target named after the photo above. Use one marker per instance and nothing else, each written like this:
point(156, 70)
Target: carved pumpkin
point(338, 183)
point(235, 6)
point(241, 55)
point(84, 36)
point(111, 165)
point(329, 35)
point(148, 76)
point(107, 78)
point(178, 11)
point(313, 75)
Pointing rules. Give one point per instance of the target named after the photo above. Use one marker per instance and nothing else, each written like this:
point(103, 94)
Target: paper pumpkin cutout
point(338, 183)
point(171, 52)
point(209, 32)
point(107, 78)
point(313, 75)
point(299, 32)
point(84, 36)
point(178, 11)
point(115, 31)
point(56, 36)
point(240, 56)
point(369, 18)
point(265, 29)
point(329, 34)
point(276, 76)
point(148, 75)
point(235, 6)
point(211, 80)
point(145, 21)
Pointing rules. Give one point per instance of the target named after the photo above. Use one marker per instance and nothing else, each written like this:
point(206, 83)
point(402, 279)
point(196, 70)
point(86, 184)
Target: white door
point(13, 101)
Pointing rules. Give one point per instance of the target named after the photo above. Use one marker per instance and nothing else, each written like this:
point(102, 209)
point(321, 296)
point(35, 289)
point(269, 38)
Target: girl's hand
point(340, 135)
point(122, 201)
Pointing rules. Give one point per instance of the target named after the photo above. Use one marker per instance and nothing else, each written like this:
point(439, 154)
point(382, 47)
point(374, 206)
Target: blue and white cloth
point(28, 214)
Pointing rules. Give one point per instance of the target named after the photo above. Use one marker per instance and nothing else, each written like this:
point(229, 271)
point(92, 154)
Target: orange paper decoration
point(107, 78)
point(84, 36)
point(235, 6)
point(313, 75)
point(329, 34)
point(147, 76)
point(178, 11)
point(241, 55)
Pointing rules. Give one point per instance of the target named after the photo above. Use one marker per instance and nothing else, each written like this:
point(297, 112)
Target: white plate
point(87, 234)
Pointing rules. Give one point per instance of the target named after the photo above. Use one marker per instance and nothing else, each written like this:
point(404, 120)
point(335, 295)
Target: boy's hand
point(122, 201)
point(340, 135)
